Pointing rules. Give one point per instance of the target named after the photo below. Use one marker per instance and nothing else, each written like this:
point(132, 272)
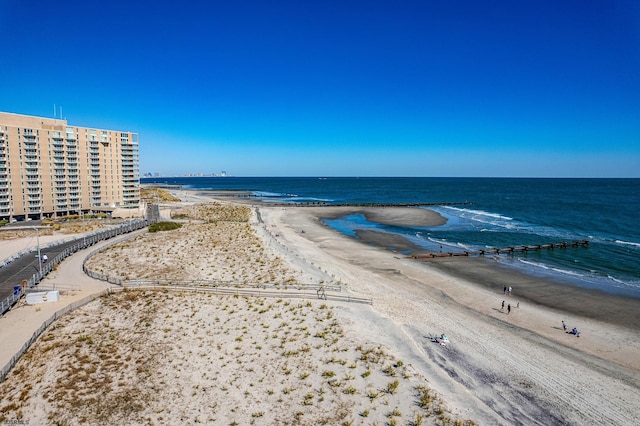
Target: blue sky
point(339, 88)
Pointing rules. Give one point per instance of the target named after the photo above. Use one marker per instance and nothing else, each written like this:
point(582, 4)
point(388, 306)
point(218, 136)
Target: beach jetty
point(325, 204)
point(507, 250)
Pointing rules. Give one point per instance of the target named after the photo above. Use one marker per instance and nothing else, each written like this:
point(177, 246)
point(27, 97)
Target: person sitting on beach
point(442, 341)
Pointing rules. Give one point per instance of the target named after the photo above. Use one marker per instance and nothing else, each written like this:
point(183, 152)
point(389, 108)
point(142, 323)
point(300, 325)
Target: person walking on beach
point(564, 326)
point(502, 308)
point(509, 308)
point(509, 290)
point(505, 292)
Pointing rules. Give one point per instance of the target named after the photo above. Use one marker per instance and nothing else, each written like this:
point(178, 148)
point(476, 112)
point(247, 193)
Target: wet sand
point(487, 273)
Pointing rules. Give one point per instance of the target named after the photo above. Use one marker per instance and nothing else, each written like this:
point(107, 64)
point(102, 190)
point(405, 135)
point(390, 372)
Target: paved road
point(26, 266)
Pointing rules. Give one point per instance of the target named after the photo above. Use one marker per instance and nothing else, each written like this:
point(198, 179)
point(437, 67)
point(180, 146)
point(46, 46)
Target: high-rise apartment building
point(49, 168)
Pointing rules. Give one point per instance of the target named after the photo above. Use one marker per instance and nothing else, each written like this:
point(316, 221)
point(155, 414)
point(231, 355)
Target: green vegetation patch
point(164, 226)
point(153, 195)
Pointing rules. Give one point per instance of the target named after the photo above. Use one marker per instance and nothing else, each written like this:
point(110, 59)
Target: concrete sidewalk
point(19, 324)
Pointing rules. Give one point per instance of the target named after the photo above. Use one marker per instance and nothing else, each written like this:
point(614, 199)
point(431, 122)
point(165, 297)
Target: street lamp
point(84, 237)
point(39, 257)
point(84, 234)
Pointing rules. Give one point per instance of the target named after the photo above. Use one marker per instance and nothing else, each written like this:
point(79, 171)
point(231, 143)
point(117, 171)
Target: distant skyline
point(339, 88)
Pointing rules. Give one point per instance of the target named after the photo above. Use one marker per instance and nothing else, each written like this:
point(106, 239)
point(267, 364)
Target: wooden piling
point(509, 250)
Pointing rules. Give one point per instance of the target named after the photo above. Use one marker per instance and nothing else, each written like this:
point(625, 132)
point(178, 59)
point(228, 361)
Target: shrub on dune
point(164, 226)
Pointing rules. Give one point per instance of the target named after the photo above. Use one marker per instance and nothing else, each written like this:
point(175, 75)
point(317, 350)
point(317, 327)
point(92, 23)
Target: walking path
point(19, 324)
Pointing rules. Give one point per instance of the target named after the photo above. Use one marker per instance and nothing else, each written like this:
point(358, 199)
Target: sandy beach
point(173, 358)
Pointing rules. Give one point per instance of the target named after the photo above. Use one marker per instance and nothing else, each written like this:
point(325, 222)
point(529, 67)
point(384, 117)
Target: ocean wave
point(496, 224)
point(324, 200)
point(634, 285)
point(464, 246)
point(479, 213)
point(272, 194)
point(551, 268)
point(627, 243)
point(489, 222)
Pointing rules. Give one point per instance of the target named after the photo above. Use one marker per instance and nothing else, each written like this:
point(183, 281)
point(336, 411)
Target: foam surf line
point(628, 243)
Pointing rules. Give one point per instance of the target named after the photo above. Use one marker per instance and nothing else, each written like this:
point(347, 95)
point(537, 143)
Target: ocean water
point(504, 212)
